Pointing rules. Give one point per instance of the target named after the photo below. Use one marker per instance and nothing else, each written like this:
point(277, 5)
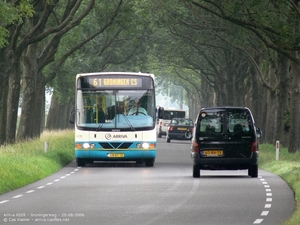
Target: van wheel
point(196, 171)
point(168, 139)
point(253, 171)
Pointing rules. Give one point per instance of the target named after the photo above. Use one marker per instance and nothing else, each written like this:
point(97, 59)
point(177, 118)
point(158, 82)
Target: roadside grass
point(26, 162)
point(287, 167)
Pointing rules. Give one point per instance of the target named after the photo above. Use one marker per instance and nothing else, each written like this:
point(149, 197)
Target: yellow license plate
point(213, 152)
point(116, 155)
point(181, 128)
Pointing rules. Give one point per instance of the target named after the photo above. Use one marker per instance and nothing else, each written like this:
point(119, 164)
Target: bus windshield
point(170, 114)
point(114, 110)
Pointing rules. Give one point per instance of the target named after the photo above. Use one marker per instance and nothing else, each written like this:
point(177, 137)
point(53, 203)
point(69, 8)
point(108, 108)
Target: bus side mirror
point(72, 117)
point(159, 112)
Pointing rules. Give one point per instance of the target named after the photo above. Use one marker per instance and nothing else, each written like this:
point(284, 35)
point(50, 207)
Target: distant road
point(118, 194)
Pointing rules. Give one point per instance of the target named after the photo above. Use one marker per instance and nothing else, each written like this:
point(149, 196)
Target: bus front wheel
point(81, 162)
point(149, 162)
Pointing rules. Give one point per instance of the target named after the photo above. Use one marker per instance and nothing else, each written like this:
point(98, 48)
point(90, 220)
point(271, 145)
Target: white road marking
point(17, 196)
point(258, 221)
point(4, 201)
point(267, 206)
point(41, 187)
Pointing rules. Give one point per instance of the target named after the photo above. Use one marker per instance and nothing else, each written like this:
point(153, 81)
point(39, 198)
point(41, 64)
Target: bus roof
point(119, 73)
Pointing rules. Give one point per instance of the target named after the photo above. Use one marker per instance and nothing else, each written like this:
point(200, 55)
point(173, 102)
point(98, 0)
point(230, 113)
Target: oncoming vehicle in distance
point(225, 138)
point(180, 129)
point(166, 116)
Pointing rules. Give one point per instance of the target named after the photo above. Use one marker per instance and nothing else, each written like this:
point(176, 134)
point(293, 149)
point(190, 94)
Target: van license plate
point(116, 155)
point(213, 152)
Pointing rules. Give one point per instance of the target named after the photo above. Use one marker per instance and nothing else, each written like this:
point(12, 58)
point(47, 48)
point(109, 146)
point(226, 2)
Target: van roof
point(224, 108)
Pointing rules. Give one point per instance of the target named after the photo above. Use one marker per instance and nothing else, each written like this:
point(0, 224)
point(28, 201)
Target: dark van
point(225, 138)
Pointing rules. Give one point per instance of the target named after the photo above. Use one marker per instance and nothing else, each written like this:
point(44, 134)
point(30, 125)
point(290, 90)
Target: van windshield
point(238, 121)
point(211, 122)
point(231, 122)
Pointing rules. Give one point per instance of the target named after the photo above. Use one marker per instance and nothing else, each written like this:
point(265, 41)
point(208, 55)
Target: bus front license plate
point(116, 155)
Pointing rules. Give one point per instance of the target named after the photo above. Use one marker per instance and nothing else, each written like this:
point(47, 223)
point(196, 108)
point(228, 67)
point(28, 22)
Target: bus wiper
point(128, 122)
point(99, 127)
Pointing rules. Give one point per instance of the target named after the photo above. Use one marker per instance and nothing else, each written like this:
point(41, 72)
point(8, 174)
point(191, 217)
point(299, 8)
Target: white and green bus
point(104, 128)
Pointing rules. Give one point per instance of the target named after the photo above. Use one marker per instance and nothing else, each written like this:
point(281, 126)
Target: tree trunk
point(282, 130)
point(272, 105)
point(13, 96)
point(3, 106)
point(29, 113)
point(3, 97)
point(59, 114)
point(255, 99)
point(294, 137)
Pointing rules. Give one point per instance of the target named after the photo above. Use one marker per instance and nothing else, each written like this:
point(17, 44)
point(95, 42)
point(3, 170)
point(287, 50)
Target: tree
point(281, 35)
point(11, 13)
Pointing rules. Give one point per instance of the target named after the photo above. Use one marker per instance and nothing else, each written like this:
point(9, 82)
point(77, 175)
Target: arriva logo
point(108, 136)
point(120, 136)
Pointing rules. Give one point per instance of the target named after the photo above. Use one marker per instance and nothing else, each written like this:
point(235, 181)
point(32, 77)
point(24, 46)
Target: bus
point(104, 128)
point(166, 116)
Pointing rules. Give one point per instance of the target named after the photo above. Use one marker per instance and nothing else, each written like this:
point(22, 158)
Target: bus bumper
point(128, 155)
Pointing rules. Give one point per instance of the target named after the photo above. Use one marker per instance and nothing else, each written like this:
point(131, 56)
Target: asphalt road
point(167, 194)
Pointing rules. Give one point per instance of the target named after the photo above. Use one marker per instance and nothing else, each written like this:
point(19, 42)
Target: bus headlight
point(88, 145)
point(145, 145)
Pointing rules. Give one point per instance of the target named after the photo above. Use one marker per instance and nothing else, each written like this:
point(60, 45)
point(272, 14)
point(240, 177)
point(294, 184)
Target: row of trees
point(241, 53)
point(231, 52)
point(42, 36)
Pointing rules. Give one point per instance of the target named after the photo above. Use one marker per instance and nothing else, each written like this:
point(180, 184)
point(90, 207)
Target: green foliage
point(3, 37)
point(25, 9)
point(26, 162)
point(10, 14)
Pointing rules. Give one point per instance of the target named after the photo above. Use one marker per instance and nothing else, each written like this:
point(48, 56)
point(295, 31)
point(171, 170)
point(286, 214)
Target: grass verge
point(26, 162)
point(287, 167)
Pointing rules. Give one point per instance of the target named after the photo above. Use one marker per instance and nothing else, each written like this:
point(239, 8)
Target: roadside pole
point(277, 150)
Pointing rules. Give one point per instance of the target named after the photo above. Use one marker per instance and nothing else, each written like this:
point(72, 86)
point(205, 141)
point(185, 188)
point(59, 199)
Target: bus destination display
point(115, 82)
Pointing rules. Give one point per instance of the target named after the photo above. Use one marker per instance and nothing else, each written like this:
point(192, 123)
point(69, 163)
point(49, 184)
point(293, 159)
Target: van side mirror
point(258, 133)
point(72, 117)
